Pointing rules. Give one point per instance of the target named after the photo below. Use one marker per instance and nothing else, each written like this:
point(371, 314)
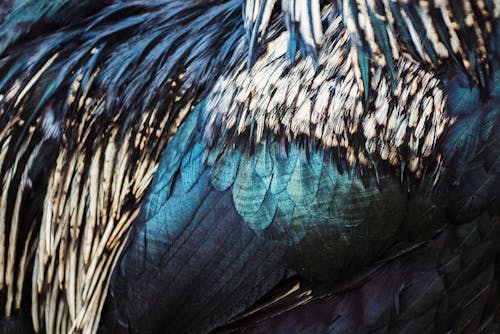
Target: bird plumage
point(205, 162)
point(90, 154)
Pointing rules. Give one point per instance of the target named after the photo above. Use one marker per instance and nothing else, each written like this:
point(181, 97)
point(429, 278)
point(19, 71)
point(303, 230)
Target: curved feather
point(387, 133)
point(81, 135)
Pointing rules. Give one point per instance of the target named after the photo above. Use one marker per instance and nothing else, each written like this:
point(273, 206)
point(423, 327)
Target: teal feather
point(380, 31)
point(249, 190)
point(328, 183)
point(475, 119)
point(488, 125)
point(13, 71)
point(266, 213)
point(461, 96)
point(263, 160)
point(193, 247)
point(364, 64)
point(224, 170)
point(284, 166)
point(307, 204)
point(192, 166)
point(304, 181)
point(290, 223)
point(175, 151)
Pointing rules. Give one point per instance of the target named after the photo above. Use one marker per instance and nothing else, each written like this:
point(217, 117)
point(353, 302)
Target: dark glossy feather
point(190, 244)
point(320, 166)
point(21, 18)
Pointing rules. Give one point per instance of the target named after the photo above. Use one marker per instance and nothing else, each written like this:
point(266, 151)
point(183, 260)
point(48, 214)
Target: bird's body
point(338, 173)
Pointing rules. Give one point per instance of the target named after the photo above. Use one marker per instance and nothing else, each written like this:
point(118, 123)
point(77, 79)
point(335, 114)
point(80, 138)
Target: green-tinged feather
point(224, 172)
point(383, 39)
point(192, 166)
point(303, 184)
point(249, 190)
point(284, 165)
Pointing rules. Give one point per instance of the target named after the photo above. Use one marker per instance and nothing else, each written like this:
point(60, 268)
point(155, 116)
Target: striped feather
point(81, 135)
point(86, 113)
point(324, 104)
point(431, 32)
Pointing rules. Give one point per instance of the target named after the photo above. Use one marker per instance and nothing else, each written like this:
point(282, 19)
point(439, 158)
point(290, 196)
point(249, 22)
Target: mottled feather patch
point(430, 32)
point(84, 119)
point(401, 123)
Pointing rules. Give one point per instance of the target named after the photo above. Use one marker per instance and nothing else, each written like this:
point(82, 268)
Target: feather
point(85, 222)
point(164, 166)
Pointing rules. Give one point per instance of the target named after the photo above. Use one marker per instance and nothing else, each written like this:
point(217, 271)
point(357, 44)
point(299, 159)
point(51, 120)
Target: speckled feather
point(382, 131)
point(323, 104)
point(82, 133)
point(431, 32)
